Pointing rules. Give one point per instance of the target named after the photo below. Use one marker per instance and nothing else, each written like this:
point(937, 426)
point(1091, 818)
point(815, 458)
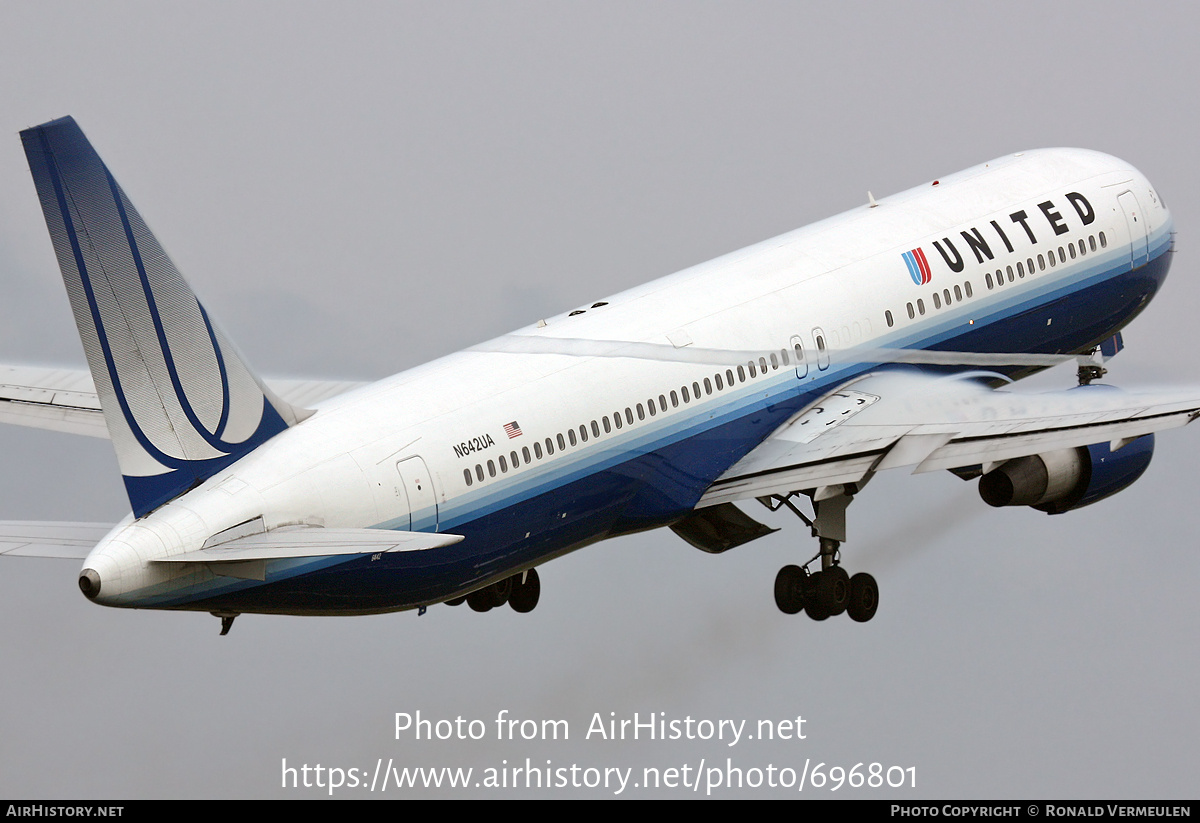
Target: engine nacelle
point(1059, 481)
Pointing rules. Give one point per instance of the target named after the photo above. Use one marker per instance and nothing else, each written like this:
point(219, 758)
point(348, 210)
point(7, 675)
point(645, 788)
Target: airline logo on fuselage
point(977, 241)
point(918, 266)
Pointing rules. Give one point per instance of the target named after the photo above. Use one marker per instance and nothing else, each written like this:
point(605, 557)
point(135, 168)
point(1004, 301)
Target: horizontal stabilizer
point(65, 400)
point(37, 538)
point(310, 541)
point(246, 557)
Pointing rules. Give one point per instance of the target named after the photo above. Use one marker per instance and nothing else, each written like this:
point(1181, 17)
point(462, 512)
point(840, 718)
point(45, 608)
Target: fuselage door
point(417, 486)
point(1138, 250)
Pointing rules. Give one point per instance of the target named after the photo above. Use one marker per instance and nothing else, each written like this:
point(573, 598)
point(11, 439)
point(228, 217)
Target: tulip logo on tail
point(918, 266)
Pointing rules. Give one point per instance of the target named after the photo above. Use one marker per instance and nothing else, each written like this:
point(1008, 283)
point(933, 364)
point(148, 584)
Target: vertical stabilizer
point(179, 400)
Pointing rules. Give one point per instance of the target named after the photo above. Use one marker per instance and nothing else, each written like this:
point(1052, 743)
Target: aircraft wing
point(927, 422)
point(65, 399)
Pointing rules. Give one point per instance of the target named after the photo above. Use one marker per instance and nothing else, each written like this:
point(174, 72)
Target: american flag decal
point(918, 266)
point(512, 430)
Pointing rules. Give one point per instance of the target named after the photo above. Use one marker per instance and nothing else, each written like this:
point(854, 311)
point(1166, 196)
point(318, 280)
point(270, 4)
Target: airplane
point(788, 373)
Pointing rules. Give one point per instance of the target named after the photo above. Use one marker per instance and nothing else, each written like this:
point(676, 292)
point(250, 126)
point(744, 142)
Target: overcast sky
point(355, 189)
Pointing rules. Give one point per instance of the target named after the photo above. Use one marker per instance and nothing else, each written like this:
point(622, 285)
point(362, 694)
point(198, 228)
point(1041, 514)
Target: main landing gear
point(831, 590)
point(521, 592)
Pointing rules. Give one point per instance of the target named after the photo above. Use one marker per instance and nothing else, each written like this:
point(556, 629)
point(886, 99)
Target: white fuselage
point(428, 449)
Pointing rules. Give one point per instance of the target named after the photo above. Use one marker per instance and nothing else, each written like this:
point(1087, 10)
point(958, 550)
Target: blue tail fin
point(179, 400)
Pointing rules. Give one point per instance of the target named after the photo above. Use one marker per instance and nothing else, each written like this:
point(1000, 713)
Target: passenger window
point(911, 314)
point(921, 306)
point(887, 315)
point(596, 428)
point(607, 425)
point(503, 463)
point(968, 287)
point(562, 444)
point(708, 386)
point(479, 472)
point(650, 407)
point(957, 292)
point(937, 301)
point(467, 476)
point(549, 446)
point(1103, 241)
point(525, 453)
point(1092, 241)
point(491, 469)
point(514, 459)
point(641, 412)
point(674, 399)
point(571, 437)
point(987, 278)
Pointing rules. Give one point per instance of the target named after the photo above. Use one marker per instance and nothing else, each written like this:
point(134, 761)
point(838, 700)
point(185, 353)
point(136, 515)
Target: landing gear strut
point(831, 590)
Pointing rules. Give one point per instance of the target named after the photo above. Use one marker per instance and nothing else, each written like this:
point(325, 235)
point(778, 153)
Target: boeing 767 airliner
point(787, 373)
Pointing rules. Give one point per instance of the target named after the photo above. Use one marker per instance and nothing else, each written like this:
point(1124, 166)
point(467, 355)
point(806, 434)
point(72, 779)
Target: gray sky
point(353, 192)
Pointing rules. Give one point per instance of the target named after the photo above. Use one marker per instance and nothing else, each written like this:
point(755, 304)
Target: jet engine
point(1066, 479)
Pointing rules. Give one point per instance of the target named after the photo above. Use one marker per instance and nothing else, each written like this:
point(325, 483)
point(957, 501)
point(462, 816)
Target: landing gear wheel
point(481, 600)
point(525, 593)
point(833, 590)
point(864, 597)
point(501, 590)
point(789, 589)
point(815, 610)
point(456, 601)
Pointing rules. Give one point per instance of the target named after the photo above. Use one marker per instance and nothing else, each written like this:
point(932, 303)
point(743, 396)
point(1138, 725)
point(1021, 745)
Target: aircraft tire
point(501, 590)
point(833, 590)
point(816, 611)
point(864, 597)
point(525, 595)
point(789, 592)
point(456, 601)
point(481, 600)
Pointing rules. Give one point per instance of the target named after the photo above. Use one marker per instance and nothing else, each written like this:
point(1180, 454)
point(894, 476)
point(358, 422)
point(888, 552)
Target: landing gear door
point(417, 485)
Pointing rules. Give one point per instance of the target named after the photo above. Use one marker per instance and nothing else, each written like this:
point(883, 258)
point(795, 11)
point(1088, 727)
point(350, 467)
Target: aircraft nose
point(89, 583)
